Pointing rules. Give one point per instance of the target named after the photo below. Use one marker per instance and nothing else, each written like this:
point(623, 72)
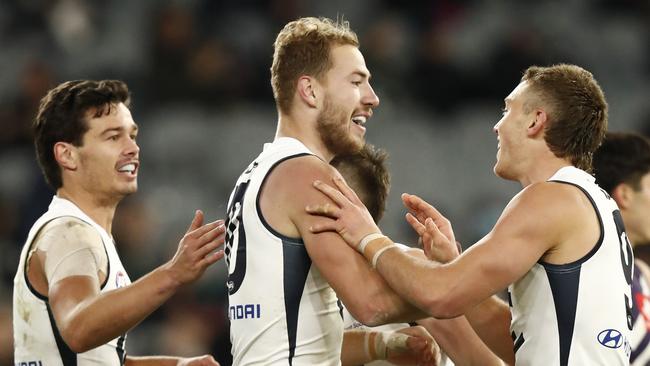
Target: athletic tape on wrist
point(367, 239)
point(396, 342)
point(381, 251)
point(377, 344)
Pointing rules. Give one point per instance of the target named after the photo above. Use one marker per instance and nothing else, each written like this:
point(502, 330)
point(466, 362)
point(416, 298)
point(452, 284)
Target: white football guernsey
point(281, 310)
point(578, 313)
point(37, 341)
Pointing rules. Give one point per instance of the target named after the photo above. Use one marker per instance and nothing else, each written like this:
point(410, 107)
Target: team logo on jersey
point(121, 280)
point(610, 338)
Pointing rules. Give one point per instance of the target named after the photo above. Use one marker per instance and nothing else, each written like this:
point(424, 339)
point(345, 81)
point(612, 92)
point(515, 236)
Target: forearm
point(151, 361)
point(414, 279)
point(389, 307)
point(98, 319)
point(459, 341)
point(353, 349)
point(491, 321)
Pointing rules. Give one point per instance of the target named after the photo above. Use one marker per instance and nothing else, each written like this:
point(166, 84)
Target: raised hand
point(434, 229)
point(196, 251)
point(206, 360)
point(420, 349)
point(350, 218)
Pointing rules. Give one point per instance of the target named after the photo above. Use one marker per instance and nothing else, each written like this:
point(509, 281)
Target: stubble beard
point(332, 125)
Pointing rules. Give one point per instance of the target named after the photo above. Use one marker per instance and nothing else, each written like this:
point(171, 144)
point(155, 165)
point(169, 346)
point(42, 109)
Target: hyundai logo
point(610, 338)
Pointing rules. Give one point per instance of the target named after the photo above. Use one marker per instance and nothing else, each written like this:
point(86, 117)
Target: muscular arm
point(87, 318)
point(491, 321)
point(538, 223)
point(461, 343)
point(287, 191)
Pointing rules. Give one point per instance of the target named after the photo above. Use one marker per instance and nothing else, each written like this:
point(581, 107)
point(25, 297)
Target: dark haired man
point(622, 168)
point(73, 301)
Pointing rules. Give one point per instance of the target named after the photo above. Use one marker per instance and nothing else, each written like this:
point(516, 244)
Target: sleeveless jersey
point(281, 309)
point(578, 313)
point(641, 317)
point(37, 341)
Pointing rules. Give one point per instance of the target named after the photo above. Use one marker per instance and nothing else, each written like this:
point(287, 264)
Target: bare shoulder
point(546, 210)
point(288, 189)
point(295, 176)
point(555, 198)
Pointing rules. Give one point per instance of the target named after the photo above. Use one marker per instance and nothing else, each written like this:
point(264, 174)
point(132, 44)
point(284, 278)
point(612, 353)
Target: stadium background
point(198, 72)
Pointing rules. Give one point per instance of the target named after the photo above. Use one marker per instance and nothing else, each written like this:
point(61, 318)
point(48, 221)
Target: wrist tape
point(377, 344)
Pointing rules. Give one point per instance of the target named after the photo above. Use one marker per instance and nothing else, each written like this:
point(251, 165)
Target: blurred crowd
point(198, 73)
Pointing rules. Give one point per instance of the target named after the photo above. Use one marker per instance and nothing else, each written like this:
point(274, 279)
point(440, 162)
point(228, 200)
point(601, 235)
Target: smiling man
point(559, 246)
point(284, 280)
point(73, 301)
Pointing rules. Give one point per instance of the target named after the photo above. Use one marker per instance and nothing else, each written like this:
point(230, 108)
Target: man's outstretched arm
point(87, 318)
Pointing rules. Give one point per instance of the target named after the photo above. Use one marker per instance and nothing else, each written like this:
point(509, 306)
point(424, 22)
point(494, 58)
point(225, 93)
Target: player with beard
point(283, 280)
point(559, 246)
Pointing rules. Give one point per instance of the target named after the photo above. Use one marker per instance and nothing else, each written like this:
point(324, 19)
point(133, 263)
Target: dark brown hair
point(366, 173)
point(622, 158)
point(62, 118)
point(577, 110)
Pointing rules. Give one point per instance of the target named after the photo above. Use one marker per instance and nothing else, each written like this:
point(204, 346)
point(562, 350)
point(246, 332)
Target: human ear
point(66, 155)
point(537, 124)
point(307, 90)
point(622, 194)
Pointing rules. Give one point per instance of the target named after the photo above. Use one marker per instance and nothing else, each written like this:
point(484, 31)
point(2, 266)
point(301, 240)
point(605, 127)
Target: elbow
point(76, 344)
point(442, 307)
point(369, 313)
point(77, 339)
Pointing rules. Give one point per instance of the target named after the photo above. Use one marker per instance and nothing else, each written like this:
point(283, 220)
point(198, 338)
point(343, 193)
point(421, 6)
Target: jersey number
point(627, 261)
point(235, 225)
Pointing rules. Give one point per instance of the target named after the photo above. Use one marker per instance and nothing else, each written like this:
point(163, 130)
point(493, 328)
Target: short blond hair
point(303, 48)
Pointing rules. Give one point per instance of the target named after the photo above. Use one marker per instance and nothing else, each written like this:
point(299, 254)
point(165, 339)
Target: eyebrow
point(363, 74)
point(119, 129)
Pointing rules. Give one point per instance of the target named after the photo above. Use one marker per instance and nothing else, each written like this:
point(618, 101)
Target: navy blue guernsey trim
point(296, 265)
point(120, 349)
point(564, 280)
point(640, 347)
point(636, 289)
point(340, 305)
point(259, 194)
point(518, 341)
point(68, 357)
point(564, 287)
point(578, 263)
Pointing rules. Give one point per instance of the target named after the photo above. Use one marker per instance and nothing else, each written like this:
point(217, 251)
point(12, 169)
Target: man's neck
point(100, 210)
point(305, 132)
point(542, 169)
